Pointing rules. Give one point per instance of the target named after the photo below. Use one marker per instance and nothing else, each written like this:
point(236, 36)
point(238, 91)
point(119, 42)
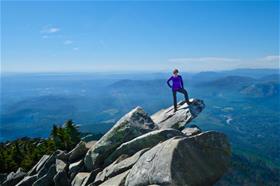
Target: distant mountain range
point(262, 89)
point(244, 104)
point(229, 82)
point(253, 73)
point(30, 101)
point(265, 86)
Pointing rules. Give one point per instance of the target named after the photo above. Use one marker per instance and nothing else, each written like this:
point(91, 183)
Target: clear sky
point(109, 36)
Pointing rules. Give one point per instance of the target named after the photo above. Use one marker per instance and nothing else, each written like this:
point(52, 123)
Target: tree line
point(26, 152)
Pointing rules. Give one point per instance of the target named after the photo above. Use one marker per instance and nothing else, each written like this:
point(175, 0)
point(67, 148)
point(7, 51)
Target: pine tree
point(73, 132)
point(56, 136)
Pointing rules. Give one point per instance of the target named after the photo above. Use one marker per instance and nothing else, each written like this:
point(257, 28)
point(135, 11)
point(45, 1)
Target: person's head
point(175, 72)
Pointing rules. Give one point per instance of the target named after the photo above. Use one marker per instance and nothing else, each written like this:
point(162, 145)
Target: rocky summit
point(139, 150)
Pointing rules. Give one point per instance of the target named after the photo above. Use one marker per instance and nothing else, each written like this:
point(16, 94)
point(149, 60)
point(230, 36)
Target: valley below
point(243, 104)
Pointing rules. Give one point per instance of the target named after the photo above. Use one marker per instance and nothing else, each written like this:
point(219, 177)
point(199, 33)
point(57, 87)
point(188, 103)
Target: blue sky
point(138, 36)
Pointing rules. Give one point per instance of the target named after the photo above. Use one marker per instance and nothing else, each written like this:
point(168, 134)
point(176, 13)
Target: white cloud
point(49, 29)
point(271, 58)
point(68, 42)
point(204, 59)
point(75, 48)
point(223, 63)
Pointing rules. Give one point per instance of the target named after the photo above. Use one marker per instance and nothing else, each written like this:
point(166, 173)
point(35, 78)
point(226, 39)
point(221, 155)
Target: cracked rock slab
point(147, 140)
point(166, 118)
point(197, 160)
point(133, 124)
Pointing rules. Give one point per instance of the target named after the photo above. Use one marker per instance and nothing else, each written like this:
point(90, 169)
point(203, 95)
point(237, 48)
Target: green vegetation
point(65, 137)
point(26, 152)
point(249, 171)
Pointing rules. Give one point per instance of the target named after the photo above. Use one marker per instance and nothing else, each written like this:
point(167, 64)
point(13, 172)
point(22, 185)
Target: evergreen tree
point(26, 152)
point(73, 132)
point(56, 137)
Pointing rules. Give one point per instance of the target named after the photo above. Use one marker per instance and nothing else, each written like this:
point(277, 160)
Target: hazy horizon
point(130, 71)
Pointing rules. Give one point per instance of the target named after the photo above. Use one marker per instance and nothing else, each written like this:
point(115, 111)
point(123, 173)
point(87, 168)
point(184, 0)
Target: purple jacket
point(177, 82)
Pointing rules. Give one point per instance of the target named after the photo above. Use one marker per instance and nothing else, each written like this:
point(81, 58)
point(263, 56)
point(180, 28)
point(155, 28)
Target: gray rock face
point(147, 140)
point(47, 179)
point(80, 179)
point(198, 160)
point(78, 152)
point(90, 178)
point(118, 180)
point(76, 167)
point(14, 177)
point(118, 167)
point(133, 124)
point(27, 181)
point(62, 155)
point(90, 144)
point(84, 178)
point(61, 179)
point(194, 130)
point(166, 118)
point(39, 165)
point(60, 165)
point(45, 168)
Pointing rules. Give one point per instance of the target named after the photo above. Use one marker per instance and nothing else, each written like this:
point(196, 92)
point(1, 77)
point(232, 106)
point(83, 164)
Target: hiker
point(177, 86)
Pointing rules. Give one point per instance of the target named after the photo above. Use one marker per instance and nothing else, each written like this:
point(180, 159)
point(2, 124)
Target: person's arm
point(182, 83)
point(168, 82)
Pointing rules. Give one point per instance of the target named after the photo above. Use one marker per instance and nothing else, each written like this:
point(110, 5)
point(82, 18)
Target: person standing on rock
point(177, 86)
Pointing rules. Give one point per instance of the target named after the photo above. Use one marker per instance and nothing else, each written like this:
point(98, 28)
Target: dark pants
point(183, 91)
